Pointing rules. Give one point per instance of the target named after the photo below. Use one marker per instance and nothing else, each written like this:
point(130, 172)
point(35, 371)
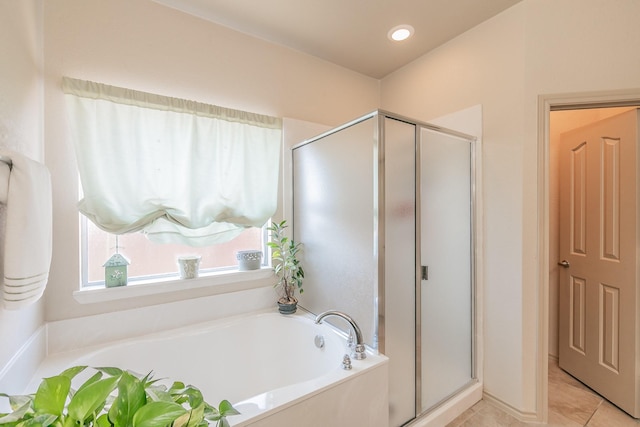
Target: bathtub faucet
point(359, 353)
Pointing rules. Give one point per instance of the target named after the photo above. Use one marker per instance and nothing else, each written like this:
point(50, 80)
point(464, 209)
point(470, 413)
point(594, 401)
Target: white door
point(598, 234)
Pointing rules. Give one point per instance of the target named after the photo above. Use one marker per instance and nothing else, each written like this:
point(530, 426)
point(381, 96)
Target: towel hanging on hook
point(28, 230)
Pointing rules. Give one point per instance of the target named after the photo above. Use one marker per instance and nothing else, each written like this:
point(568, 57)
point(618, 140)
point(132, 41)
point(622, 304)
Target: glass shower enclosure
point(384, 206)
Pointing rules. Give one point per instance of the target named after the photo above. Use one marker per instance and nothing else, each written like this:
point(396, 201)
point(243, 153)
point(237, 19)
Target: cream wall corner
point(536, 47)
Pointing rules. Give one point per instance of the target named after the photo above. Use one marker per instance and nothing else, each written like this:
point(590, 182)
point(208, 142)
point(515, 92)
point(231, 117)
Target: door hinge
point(425, 272)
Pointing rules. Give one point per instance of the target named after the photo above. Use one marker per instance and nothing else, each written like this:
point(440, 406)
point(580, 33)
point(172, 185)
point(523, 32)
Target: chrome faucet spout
point(359, 353)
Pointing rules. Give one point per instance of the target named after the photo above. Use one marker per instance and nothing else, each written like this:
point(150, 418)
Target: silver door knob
point(564, 263)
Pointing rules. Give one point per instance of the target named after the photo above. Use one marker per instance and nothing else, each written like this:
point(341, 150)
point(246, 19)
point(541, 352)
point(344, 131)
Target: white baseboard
point(450, 410)
point(530, 417)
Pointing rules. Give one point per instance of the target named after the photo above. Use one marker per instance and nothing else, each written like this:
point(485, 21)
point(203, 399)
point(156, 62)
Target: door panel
point(578, 199)
point(610, 226)
point(598, 234)
point(609, 332)
point(577, 314)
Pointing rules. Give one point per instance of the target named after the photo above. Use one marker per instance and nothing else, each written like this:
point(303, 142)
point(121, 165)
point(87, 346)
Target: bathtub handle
point(346, 362)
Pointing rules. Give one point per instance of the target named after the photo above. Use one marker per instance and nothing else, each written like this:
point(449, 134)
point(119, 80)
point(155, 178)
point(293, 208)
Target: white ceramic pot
point(249, 260)
point(189, 266)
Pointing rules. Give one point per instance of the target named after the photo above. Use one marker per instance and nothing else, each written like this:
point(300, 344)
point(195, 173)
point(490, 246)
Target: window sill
point(221, 282)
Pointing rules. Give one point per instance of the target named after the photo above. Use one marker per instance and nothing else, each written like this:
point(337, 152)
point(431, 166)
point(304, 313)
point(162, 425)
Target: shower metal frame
point(379, 225)
point(472, 256)
point(381, 114)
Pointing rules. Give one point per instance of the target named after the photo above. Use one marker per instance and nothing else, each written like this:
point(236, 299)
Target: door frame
point(546, 104)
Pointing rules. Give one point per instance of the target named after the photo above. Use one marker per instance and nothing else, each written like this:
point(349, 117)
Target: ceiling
point(349, 33)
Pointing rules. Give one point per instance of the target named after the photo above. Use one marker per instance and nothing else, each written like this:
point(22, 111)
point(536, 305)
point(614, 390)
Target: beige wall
point(146, 46)
point(537, 47)
point(21, 131)
point(21, 100)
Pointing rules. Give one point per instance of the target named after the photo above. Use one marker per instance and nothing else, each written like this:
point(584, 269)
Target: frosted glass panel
point(333, 216)
point(399, 268)
point(352, 251)
point(445, 205)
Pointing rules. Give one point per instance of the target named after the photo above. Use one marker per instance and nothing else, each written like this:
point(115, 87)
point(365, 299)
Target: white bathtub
point(266, 364)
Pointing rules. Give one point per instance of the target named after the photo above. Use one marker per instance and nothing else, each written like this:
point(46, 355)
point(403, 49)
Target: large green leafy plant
point(113, 398)
point(287, 267)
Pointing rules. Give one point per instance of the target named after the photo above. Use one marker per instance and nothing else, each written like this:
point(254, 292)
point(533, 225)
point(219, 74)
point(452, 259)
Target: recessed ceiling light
point(400, 32)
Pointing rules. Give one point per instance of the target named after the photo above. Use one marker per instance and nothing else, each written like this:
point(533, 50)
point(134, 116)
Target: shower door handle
point(564, 263)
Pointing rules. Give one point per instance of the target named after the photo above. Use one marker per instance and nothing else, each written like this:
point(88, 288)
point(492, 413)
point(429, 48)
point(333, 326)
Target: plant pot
point(188, 266)
point(287, 308)
point(248, 260)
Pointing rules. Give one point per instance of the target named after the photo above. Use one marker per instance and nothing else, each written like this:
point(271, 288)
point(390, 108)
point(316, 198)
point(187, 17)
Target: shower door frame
point(473, 262)
point(380, 181)
point(379, 225)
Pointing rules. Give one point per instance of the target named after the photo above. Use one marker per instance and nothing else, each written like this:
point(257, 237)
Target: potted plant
point(287, 267)
point(113, 397)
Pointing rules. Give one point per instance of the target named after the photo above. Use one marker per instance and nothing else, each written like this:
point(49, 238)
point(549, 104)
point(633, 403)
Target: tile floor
point(571, 404)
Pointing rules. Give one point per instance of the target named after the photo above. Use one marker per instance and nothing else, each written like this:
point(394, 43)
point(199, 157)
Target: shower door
point(445, 291)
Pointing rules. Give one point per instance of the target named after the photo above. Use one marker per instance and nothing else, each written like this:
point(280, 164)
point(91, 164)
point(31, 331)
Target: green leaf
point(88, 399)
point(94, 378)
point(194, 396)
point(177, 387)
point(52, 395)
point(17, 401)
point(211, 413)
point(131, 397)
point(103, 421)
point(182, 421)
point(226, 409)
point(43, 420)
point(196, 415)
point(148, 377)
point(158, 394)
point(73, 371)
point(17, 415)
point(158, 414)
point(114, 372)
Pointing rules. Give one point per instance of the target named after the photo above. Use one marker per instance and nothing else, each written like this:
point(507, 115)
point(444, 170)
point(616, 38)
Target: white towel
point(27, 244)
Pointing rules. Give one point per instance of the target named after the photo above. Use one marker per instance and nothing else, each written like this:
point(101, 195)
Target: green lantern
point(115, 271)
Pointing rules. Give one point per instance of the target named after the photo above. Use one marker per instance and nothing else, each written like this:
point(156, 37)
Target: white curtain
point(179, 171)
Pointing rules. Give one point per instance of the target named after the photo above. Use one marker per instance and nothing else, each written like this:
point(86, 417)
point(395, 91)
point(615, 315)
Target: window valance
point(178, 170)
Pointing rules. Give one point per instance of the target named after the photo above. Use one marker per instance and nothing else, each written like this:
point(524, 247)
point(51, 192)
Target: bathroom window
point(151, 261)
point(170, 177)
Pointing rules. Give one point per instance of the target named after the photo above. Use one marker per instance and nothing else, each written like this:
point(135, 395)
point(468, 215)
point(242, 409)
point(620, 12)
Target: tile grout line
point(594, 412)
